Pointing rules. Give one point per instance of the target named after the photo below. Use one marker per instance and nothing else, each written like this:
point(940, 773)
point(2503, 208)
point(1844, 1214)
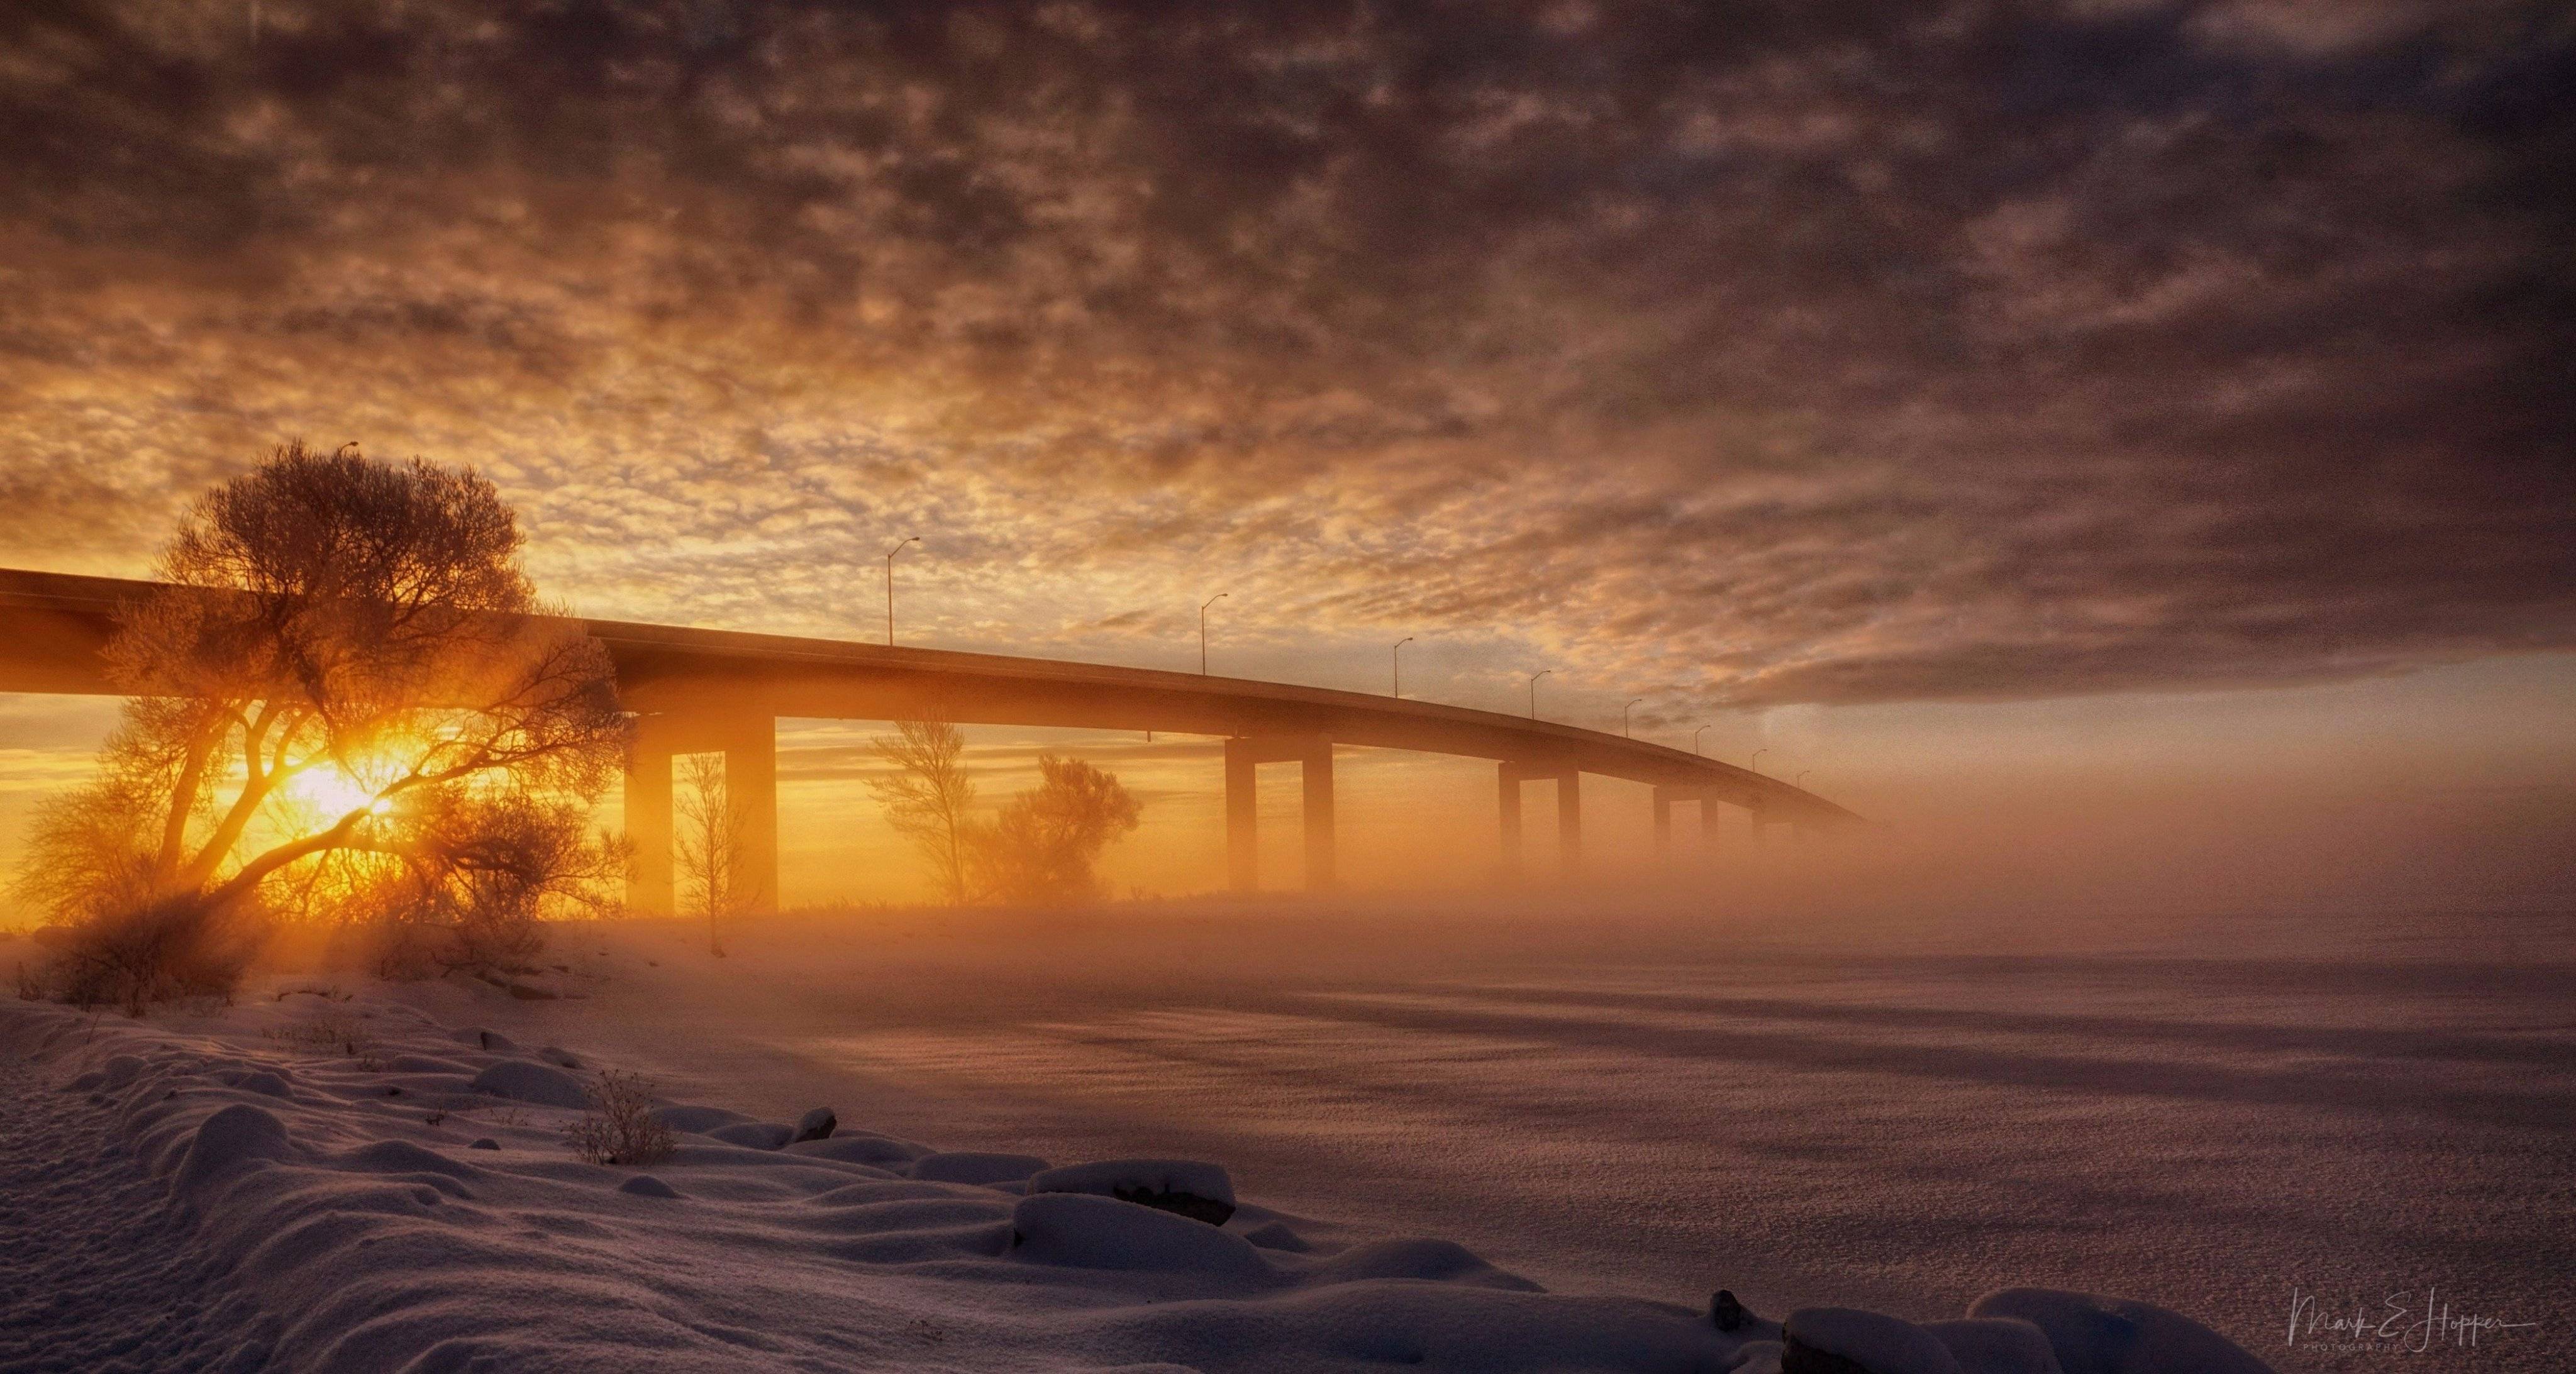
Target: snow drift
point(414, 1208)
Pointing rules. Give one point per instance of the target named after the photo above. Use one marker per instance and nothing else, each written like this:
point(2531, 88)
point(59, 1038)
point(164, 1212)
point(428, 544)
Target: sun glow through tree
point(332, 793)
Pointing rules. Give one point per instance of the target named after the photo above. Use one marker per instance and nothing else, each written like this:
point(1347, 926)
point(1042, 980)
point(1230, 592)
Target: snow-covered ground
point(1621, 1112)
point(320, 1181)
point(353, 1186)
point(2226, 1115)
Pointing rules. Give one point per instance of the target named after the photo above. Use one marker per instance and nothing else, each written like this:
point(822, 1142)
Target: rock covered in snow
point(2092, 1334)
point(1276, 1235)
point(1846, 1340)
point(817, 1124)
point(525, 1080)
point(402, 1157)
point(645, 1185)
point(1088, 1231)
point(229, 1140)
point(1417, 1257)
point(754, 1135)
point(1997, 1345)
point(265, 1084)
point(696, 1120)
point(980, 1167)
point(1199, 1191)
point(864, 1147)
point(424, 1063)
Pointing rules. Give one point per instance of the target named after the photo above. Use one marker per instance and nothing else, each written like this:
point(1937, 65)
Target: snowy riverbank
point(315, 1183)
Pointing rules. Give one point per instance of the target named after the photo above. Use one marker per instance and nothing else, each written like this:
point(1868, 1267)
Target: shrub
point(479, 943)
point(620, 1127)
point(500, 869)
point(331, 1030)
point(174, 947)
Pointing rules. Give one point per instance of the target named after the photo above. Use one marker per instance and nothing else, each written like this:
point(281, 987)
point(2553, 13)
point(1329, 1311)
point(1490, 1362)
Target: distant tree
point(344, 705)
point(710, 842)
point(927, 796)
point(1043, 846)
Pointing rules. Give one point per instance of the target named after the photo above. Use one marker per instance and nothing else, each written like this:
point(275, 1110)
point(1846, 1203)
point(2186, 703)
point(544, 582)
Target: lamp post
point(1395, 656)
point(1624, 732)
point(1534, 677)
point(1801, 779)
point(1220, 596)
point(889, 561)
point(1695, 734)
point(1757, 758)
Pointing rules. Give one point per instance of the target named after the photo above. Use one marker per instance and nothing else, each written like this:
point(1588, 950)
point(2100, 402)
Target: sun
point(334, 793)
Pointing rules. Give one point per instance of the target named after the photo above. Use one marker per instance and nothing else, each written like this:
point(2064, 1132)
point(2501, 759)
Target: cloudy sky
point(1741, 356)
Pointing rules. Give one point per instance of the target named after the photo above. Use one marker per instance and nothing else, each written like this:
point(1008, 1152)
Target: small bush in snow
point(334, 1031)
point(159, 949)
point(620, 1127)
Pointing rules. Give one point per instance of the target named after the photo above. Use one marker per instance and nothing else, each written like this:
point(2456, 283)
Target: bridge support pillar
point(1313, 755)
point(1569, 819)
point(649, 889)
point(1317, 773)
point(1666, 797)
point(1509, 775)
point(1242, 819)
point(749, 742)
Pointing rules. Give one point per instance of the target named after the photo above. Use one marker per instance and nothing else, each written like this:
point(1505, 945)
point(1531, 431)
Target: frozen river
point(2367, 1115)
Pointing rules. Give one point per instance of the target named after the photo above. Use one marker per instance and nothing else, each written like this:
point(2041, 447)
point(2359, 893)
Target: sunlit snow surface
point(2224, 1116)
point(1885, 1116)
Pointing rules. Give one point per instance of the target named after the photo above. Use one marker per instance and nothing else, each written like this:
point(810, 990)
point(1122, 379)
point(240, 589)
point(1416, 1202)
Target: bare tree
point(927, 796)
point(1043, 846)
point(345, 704)
point(710, 841)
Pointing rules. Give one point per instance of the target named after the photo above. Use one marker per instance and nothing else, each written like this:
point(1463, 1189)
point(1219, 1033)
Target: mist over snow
point(1598, 1117)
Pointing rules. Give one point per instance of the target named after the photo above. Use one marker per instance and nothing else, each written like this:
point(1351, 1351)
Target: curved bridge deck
point(696, 689)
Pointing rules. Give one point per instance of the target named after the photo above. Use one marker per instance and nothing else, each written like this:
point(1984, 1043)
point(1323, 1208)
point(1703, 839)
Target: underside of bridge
point(1313, 755)
point(748, 742)
point(716, 691)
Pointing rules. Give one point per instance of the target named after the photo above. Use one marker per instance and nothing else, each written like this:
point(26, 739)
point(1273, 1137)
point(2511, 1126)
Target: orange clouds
point(1743, 356)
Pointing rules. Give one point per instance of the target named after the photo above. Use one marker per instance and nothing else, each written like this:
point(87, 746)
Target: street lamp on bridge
point(1396, 656)
point(1220, 596)
point(1801, 779)
point(1695, 734)
point(889, 562)
point(1624, 711)
point(1757, 758)
point(1534, 677)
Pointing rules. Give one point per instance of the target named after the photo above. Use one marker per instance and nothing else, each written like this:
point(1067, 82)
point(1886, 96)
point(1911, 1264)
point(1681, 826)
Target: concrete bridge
point(704, 691)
